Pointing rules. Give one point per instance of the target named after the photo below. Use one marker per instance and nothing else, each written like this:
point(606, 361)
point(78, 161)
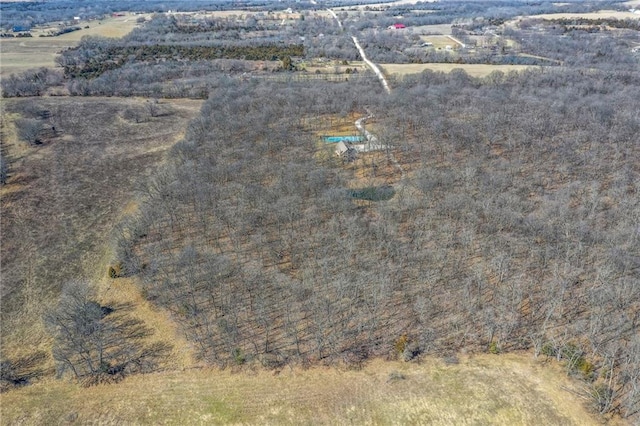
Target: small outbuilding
point(397, 26)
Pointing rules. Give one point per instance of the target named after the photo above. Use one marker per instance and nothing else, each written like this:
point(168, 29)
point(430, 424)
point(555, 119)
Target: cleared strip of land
point(474, 70)
point(488, 389)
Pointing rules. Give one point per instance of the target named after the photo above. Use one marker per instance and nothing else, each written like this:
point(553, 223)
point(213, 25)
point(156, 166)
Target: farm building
point(397, 26)
point(21, 29)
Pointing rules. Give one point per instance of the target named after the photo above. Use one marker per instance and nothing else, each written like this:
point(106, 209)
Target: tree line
point(102, 57)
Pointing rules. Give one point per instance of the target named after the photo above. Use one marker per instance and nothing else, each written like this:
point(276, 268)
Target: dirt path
point(336, 18)
point(370, 64)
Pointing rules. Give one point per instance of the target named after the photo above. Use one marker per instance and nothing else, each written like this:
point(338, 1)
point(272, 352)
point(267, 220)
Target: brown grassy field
point(444, 29)
point(20, 54)
point(474, 70)
point(383, 5)
point(593, 15)
point(64, 197)
point(439, 41)
point(487, 389)
point(334, 67)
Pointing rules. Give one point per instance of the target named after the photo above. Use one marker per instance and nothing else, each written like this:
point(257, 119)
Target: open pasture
point(384, 5)
point(474, 70)
point(444, 29)
point(439, 41)
point(20, 54)
point(591, 15)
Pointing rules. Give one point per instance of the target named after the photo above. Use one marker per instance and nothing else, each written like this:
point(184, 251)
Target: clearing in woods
point(439, 41)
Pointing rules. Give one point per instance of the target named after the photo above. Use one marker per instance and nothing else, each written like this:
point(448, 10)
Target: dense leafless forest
point(502, 214)
point(517, 228)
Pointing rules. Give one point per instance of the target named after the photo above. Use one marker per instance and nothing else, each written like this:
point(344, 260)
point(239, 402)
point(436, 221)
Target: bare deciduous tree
point(96, 342)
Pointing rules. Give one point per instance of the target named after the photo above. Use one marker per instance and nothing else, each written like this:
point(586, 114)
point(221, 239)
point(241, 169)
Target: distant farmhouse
point(397, 26)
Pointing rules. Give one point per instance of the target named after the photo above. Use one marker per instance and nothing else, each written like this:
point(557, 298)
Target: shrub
point(548, 349)
point(576, 361)
point(238, 356)
point(115, 271)
point(4, 169)
point(411, 351)
point(29, 130)
point(401, 344)
point(602, 397)
point(395, 376)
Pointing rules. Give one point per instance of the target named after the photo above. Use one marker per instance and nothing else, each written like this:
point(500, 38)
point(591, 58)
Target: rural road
point(372, 140)
point(370, 64)
point(336, 18)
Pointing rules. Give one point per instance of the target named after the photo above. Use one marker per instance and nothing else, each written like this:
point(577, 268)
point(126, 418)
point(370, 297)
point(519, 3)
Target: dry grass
point(439, 42)
point(334, 68)
point(502, 390)
point(383, 5)
point(474, 70)
point(63, 199)
point(20, 54)
point(444, 29)
point(591, 15)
